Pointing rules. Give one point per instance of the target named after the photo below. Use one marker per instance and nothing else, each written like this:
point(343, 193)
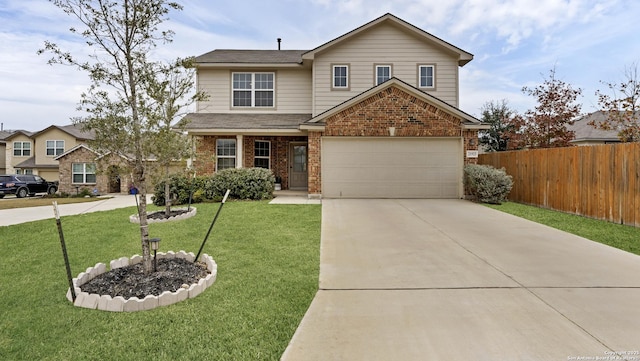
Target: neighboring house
point(586, 134)
point(18, 148)
point(372, 113)
point(35, 153)
point(83, 168)
point(3, 148)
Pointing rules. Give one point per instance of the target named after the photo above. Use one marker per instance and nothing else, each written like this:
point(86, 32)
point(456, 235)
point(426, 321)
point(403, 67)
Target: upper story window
point(262, 154)
point(21, 149)
point(55, 147)
point(340, 77)
point(383, 73)
point(426, 76)
point(225, 154)
point(253, 89)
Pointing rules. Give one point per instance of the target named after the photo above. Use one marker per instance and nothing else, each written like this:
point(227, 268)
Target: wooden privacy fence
point(600, 181)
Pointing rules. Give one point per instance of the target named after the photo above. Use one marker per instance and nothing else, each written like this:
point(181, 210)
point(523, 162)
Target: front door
point(298, 166)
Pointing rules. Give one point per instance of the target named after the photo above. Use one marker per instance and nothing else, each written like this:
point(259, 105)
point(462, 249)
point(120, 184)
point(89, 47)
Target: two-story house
point(35, 153)
point(373, 113)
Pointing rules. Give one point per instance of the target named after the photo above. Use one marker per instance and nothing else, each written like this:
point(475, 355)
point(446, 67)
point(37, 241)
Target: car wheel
point(1, 196)
point(22, 192)
point(52, 190)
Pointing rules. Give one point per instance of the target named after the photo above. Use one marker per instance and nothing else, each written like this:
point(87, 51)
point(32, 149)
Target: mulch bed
point(162, 214)
point(130, 281)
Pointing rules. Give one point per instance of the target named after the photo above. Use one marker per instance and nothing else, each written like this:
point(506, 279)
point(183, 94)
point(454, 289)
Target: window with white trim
point(383, 73)
point(21, 149)
point(253, 90)
point(340, 76)
point(83, 173)
point(55, 147)
point(225, 154)
point(426, 76)
point(262, 154)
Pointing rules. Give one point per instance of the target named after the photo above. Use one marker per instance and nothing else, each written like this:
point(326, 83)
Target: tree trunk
point(167, 195)
point(139, 180)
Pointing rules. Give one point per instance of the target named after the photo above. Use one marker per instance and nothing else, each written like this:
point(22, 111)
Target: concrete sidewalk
point(454, 280)
point(22, 215)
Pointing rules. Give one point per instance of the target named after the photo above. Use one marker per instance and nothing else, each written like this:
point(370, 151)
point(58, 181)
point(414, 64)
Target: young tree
point(121, 35)
point(500, 116)
point(622, 107)
point(546, 125)
point(168, 94)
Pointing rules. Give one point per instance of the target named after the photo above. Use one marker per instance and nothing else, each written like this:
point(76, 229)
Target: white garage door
point(361, 167)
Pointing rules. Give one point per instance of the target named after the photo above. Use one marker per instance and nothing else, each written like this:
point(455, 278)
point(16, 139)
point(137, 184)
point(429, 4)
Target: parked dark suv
point(25, 184)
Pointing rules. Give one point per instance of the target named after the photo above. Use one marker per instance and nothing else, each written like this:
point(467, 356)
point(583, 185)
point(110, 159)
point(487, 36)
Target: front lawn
point(268, 264)
point(620, 236)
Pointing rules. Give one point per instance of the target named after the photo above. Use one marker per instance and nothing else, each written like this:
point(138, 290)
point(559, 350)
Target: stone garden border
point(120, 304)
point(192, 212)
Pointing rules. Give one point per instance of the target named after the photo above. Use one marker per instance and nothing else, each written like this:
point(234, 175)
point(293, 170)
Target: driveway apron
point(454, 280)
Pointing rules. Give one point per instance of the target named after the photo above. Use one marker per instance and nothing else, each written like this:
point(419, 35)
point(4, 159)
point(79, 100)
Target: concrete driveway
point(454, 280)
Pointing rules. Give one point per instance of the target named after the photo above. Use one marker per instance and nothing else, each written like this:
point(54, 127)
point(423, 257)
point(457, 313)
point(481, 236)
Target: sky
point(515, 44)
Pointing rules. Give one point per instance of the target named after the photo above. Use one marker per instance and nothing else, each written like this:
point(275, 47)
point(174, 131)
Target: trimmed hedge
point(487, 184)
point(243, 183)
point(179, 187)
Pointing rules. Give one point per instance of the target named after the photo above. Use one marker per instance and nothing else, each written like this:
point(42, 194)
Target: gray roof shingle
point(585, 132)
point(252, 56)
point(245, 121)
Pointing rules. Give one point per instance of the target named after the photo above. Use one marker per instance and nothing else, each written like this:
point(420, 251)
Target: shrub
point(244, 183)
point(486, 183)
point(180, 187)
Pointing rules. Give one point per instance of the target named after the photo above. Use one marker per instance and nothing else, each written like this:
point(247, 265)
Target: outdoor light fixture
point(155, 242)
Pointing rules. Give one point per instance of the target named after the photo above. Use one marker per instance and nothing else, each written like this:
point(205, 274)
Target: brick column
point(314, 180)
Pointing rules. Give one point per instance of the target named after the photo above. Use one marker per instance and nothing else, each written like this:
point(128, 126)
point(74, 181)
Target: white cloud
point(515, 41)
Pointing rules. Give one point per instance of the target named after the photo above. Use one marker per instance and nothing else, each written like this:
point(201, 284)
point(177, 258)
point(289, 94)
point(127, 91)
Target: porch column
point(239, 151)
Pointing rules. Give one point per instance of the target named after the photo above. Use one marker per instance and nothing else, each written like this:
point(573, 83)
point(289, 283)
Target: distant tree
point(122, 109)
point(500, 116)
point(622, 107)
point(546, 125)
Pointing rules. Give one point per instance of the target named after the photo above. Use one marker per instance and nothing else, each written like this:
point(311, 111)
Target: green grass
point(616, 235)
point(268, 264)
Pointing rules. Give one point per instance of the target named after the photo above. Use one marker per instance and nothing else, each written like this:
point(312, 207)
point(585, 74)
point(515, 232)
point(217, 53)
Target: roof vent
point(279, 41)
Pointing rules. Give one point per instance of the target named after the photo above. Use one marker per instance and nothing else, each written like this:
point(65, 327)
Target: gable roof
point(463, 56)
point(18, 132)
point(74, 130)
point(585, 132)
point(4, 134)
point(469, 121)
point(231, 58)
point(74, 149)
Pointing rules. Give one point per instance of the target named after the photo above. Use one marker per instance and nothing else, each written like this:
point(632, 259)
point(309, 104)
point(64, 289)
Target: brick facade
point(205, 160)
point(408, 115)
point(106, 169)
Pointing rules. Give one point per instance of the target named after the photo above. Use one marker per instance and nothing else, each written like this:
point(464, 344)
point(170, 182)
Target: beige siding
point(383, 45)
point(293, 91)
point(11, 159)
point(41, 145)
point(3, 158)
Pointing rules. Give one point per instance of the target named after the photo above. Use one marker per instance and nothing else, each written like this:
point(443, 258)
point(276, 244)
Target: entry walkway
point(454, 280)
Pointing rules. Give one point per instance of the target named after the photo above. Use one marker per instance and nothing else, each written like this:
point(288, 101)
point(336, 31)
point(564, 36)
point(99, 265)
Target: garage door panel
point(391, 167)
